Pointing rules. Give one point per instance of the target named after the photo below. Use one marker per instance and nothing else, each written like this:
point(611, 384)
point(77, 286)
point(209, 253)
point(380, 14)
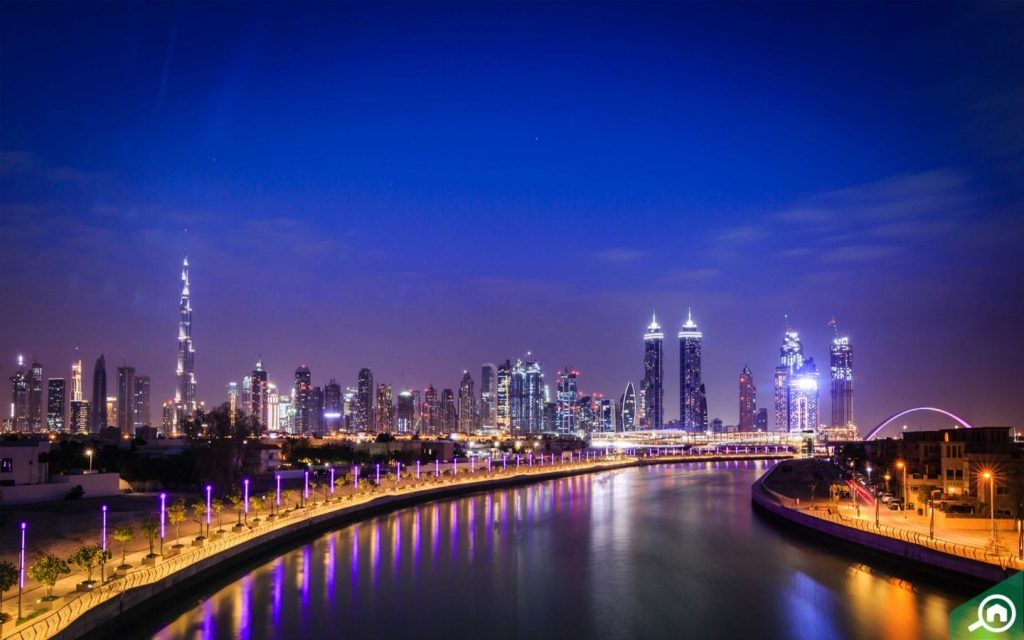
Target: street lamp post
point(209, 507)
point(245, 500)
point(163, 520)
point(88, 454)
point(103, 546)
point(902, 466)
point(877, 501)
point(988, 475)
point(21, 567)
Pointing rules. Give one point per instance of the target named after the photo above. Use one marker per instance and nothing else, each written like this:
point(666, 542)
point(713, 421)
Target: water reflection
point(657, 552)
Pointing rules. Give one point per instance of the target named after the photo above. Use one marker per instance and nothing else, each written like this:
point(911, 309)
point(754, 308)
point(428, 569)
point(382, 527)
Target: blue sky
point(420, 188)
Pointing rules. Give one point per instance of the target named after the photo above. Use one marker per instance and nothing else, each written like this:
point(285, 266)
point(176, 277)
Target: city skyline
point(886, 196)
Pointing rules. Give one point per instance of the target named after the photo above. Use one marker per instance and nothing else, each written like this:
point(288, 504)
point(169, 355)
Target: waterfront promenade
point(786, 491)
point(74, 612)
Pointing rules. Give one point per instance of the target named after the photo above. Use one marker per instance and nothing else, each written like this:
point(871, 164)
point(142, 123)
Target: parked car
point(886, 498)
point(895, 505)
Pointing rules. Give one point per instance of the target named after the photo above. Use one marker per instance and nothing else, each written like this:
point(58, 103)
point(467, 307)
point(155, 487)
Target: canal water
point(670, 551)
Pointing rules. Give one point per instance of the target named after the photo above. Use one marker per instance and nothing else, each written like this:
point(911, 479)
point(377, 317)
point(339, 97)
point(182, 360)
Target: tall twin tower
point(693, 404)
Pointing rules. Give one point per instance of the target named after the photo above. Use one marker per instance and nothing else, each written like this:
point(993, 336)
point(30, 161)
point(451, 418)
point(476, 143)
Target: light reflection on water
point(656, 552)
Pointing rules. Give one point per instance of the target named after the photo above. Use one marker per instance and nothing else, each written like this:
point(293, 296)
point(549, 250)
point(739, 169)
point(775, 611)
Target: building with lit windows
point(385, 410)
point(567, 408)
point(488, 396)
point(364, 401)
point(56, 405)
point(627, 406)
point(126, 400)
point(651, 386)
point(841, 370)
point(503, 405)
point(526, 397)
point(748, 400)
point(431, 411)
point(142, 408)
point(302, 395)
point(693, 406)
point(185, 391)
point(467, 404)
point(405, 413)
point(98, 421)
point(448, 412)
point(796, 388)
point(258, 391)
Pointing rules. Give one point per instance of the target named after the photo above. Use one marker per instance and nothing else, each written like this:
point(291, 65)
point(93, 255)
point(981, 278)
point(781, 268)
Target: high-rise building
point(842, 382)
point(364, 401)
point(142, 416)
point(274, 409)
point(232, 401)
point(761, 422)
point(405, 413)
point(332, 406)
point(126, 400)
point(654, 374)
point(285, 413)
point(185, 392)
point(258, 381)
point(606, 416)
point(303, 396)
point(80, 415)
point(503, 407)
point(781, 397)
point(449, 414)
point(526, 399)
point(76, 381)
point(467, 404)
point(112, 411)
point(316, 411)
point(567, 403)
point(385, 411)
point(748, 400)
point(98, 422)
point(56, 405)
point(628, 408)
point(36, 397)
point(693, 415)
point(431, 411)
point(796, 388)
point(167, 422)
point(245, 397)
point(19, 398)
point(488, 396)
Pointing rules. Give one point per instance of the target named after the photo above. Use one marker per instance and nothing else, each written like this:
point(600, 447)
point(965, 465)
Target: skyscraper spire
point(185, 394)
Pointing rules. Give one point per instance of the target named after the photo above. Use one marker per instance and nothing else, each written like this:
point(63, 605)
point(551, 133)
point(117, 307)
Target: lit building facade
point(503, 405)
point(303, 397)
point(364, 400)
point(526, 397)
point(258, 388)
point(185, 392)
point(142, 406)
point(98, 422)
point(56, 405)
point(654, 373)
point(448, 412)
point(693, 405)
point(36, 397)
point(567, 408)
point(467, 404)
point(431, 411)
point(628, 408)
point(405, 414)
point(488, 396)
point(126, 400)
point(748, 400)
point(841, 370)
point(385, 409)
point(796, 388)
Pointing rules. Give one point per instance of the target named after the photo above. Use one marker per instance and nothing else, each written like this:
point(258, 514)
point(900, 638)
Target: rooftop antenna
point(835, 325)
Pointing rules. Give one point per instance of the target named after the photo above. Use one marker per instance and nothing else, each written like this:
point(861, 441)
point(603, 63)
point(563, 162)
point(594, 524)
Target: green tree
point(199, 514)
point(176, 515)
point(924, 493)
point(236, 504)
point(8, 578)
point(48, 570)
point(150, 530)
point(86, 558)
point(124, 536)
point(217, 505)
point(256, 505)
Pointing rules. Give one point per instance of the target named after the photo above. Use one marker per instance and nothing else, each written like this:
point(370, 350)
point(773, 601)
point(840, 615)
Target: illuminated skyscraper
point(76, 381)
point(567, 404)
point(467, 404)
point(142, 417)
point(488, 396)
point(385, 411)
point(449, 414)
point(333, 409)
point(693, 415)
point(526, 399)
point(654, 373)
point(431, 411)
point(503, 401)
point(258, 381)
point(185, 393)
point(36, 397)
point(364, 401)
point(232, 401)
point(303, 396)
point(98, 422)
point(80, 415)
point(405, 412)
point(796, 388)
point(842, 382)
point(781, 398)
point(628, 408)
point(126, 400)
point(19, 398)
point(273, 409)
point(112, 412)
point(761, 422)
point(56, 405)
point(748, 400)
point(606, 416)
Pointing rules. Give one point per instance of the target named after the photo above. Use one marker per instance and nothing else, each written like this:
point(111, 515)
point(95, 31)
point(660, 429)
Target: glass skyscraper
point(693, 412)
point(654, 373)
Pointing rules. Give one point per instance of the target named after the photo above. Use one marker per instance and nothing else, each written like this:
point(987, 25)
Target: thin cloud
point(620, 255)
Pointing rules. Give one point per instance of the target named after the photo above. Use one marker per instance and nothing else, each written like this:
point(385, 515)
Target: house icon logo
point(994, 614)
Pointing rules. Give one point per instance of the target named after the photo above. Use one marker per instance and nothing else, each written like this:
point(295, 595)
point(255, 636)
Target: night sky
point(422, 188)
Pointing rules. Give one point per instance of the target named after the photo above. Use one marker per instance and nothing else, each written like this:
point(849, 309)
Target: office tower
point(586, 414)
point(488, 396)
point(167, 422)
point(80, 415)
point(99, 396)
point(654, 373)
point(417, 407)
point(364, 401)
point(796, 387)
point(716, 426)
point(245, 398)
point(467, 404)
point(547, 422)
point(781, 393)
point(348, 409)
point(448, 412)
point(232, 401)
point(842, 381)
point(273, 409)
point(628, 408)
point(606, 416)
point(431, 411)
point(56, 403)
point(692, 403)
point(19, 398)
point(258, 381)
point(332, 413)
point(302, 395)
point(76, 381)
point(316, 412)
point(36, 398)
point(142, 417)
point(526, 400)
point(285, 413)
point(126, 400)
point(405, 413)
point(748, 400)
point(111, 405)
point(761, 422)
point(567, 403)
point(185, 392)
point(385, 411)
point(503, 407)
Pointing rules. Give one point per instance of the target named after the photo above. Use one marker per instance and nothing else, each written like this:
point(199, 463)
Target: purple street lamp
point(437, 468)
point(472, 465)
point(245, 498)
point(398, 472)
point(305, 488)
point(455, 466)
point(356, 476)
point(209, 507)
point(504, 461)
point(489, 463)
point(517, 461)
point(277, 499)
point(530, 460)
point(21, 567)
point(417, 469)
point(332, 480)
point(103, 546)
point(163, 520)
point(378, 474)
